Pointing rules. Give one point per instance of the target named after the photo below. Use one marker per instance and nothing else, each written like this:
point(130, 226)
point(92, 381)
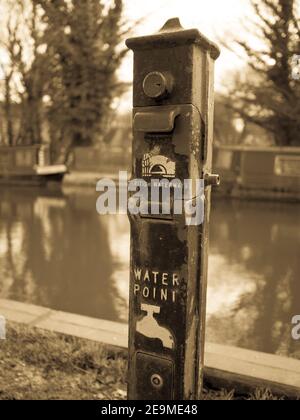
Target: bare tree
point(10, 45)
point(24, 75)
point(7, 106)
point(33, 75)
point(269, 96)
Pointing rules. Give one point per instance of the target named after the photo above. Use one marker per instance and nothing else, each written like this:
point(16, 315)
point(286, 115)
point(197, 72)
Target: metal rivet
point(157, 381)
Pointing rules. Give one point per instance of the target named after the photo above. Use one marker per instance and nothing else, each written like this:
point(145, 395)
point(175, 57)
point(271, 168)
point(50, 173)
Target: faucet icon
point(149, 327)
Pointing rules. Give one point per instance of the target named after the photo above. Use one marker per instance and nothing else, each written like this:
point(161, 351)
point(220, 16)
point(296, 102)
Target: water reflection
point(56, 251)
point(254, 275)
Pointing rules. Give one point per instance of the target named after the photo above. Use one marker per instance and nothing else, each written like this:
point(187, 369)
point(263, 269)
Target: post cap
point(173, 34)
point(172, 25)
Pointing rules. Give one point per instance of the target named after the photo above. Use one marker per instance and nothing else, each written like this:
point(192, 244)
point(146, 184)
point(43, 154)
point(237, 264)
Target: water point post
point(172, 141)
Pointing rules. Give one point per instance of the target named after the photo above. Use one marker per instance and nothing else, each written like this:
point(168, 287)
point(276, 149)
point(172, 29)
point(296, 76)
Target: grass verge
point(39, 365)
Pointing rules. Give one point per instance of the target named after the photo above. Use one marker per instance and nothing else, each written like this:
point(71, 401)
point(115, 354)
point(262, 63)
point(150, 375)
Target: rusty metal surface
point(172, 138)
point(156, 120)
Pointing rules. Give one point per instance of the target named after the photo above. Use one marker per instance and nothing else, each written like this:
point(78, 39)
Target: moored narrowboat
point(29, 165)
point(259, 173)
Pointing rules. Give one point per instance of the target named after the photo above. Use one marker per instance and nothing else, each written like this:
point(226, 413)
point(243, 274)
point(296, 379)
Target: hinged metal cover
point(156, 120)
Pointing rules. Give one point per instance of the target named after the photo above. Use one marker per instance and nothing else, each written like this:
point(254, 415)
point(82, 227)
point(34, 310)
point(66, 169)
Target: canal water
point(55, 251)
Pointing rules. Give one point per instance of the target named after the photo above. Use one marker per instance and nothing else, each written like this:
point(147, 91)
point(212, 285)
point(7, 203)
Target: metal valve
point(158, 85)
point(212, 180)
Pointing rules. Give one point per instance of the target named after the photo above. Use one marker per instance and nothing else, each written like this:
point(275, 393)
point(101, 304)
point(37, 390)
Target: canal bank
point(225, 366)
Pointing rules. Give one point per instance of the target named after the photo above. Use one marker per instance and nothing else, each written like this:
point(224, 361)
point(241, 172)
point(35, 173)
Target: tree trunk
point(8, 112)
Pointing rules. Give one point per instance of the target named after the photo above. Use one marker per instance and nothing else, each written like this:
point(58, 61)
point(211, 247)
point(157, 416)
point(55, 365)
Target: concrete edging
point(225, 366)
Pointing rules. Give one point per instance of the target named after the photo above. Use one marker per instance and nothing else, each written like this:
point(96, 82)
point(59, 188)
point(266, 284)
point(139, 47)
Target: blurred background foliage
point(266, 94)
point(60, 59)
point(59, 70)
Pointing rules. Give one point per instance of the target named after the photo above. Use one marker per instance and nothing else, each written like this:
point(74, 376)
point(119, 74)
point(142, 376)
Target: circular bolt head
point(157, 381)
point(157, 85)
